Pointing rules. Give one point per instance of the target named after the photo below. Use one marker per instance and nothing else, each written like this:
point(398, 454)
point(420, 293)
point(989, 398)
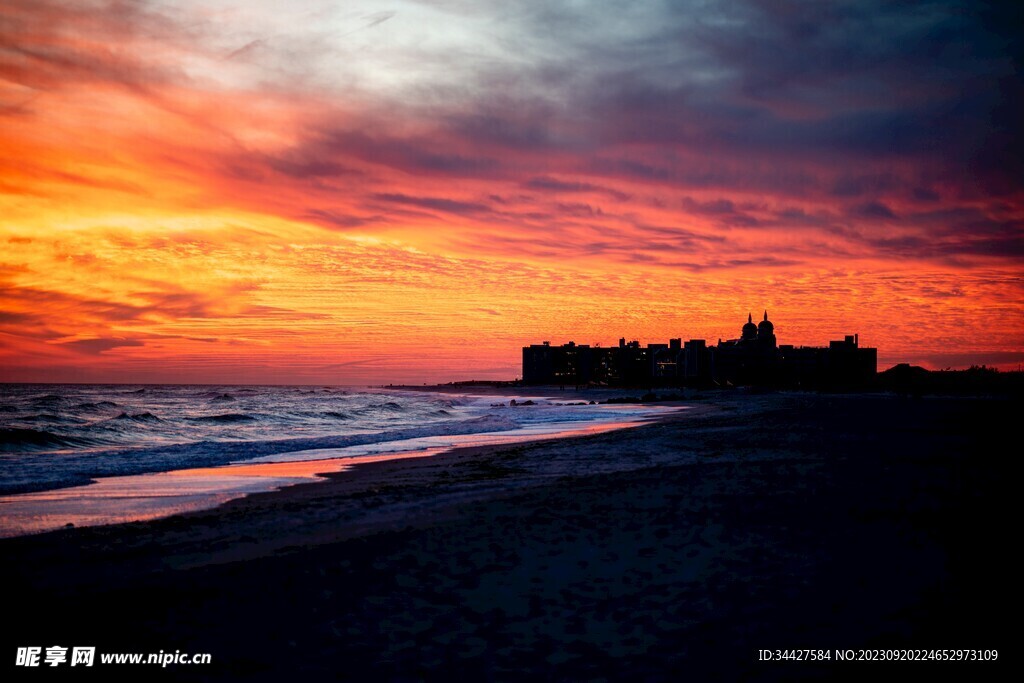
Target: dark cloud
point(419, 155)
point(949, 234)
point(340, 219)
point(831, 84)
point(679, 234)
point(862, 184)
point(727, 264)
point(714, 207)
point(503, 128)
point(97, 346)
point(44, 307)
point(724, 211)
point(434, 203)
point(924, 194)
point(14, 317)
point(548, 184)
point(310, 168)
point(876, 210)
point(950, 249)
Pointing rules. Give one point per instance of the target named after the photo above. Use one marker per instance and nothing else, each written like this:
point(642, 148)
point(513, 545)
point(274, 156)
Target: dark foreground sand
point(666, 552)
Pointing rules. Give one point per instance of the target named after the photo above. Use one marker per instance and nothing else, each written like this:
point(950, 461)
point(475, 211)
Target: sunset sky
point(410, 191)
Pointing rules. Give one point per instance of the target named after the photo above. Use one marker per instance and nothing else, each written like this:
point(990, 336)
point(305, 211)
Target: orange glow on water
point(132, 498)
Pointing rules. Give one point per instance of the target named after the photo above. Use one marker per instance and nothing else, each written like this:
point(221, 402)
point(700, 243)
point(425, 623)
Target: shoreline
point(679, 546)
point(250, 526)
point(153, 496)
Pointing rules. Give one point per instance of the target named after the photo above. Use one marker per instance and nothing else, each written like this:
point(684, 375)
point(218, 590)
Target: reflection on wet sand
point(112, 500)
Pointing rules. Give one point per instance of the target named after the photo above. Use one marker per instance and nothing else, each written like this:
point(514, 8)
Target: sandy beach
point(680, 548)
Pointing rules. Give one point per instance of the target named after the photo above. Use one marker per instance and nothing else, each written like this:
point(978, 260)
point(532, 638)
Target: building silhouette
point(755, 358)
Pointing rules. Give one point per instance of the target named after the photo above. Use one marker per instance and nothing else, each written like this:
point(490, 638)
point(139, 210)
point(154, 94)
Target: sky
point(411, 191)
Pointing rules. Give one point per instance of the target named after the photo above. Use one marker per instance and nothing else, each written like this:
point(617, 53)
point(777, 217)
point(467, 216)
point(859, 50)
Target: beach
point(749, 521)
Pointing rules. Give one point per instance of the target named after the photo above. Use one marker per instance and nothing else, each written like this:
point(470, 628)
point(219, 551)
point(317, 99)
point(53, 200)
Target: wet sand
point(673, 549)
point(143, 497)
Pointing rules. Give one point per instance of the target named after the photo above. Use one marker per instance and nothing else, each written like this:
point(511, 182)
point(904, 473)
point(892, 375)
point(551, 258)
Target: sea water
point(86, 454)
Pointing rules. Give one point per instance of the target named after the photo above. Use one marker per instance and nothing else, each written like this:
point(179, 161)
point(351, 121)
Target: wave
point(16, 438)
point(48, 400)
point(96, 406)
point(138, 417)
point(226, 418)
point(388, 406)
point(40, 474)
point(110, 431)
point(47, 417)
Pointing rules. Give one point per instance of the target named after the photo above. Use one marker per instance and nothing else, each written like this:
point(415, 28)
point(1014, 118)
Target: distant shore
point(680, 547)
point(901, 378)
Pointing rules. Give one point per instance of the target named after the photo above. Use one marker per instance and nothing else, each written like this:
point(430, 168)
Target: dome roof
point(765, 326)
point(749, 329)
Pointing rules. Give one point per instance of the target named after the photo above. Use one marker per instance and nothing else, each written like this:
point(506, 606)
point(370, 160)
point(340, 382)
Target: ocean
point(54, 437)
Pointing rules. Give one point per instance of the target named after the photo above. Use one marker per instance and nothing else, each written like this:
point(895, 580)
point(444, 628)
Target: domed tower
point(749, 330)
point(766, 332)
